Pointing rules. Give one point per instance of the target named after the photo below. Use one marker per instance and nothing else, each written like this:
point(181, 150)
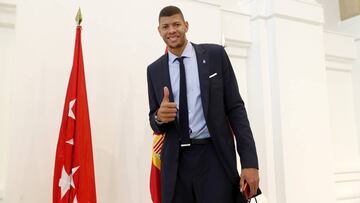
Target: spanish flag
point(155, 187)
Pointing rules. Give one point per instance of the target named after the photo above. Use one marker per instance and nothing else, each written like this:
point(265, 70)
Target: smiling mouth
point(173, 39)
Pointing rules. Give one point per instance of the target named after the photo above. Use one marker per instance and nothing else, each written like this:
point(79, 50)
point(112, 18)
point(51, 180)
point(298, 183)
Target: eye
point(178, 24)
point(164, 27)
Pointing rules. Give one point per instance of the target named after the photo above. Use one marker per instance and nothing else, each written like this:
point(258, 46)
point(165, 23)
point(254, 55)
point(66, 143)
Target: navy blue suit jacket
point(224, 113)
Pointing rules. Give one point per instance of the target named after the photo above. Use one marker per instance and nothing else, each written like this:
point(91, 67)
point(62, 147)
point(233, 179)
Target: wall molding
point(286, 17)
point(339, 59)
point(293, 10)
point(236, 39)
point(347, 171)
point(310, 3)
point(348, 197)
point(236, 48)
point(7, 15)
point(340, 51)
point(209, 2)
point(236, 11)
point(344, 34)
point(338, 63)
point(228, 42)
point(347, 177)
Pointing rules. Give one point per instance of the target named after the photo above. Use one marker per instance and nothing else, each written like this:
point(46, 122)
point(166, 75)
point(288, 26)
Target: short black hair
point(170, 11)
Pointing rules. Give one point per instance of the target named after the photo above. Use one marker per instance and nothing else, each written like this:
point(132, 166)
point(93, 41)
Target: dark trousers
point(201, 178)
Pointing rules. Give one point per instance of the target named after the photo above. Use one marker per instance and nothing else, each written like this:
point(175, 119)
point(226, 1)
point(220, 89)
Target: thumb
point(242, 184)
point(166, 95)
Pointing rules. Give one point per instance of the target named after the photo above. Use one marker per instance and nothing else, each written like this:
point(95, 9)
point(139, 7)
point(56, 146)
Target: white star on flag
point(66, 180)
point(71, 105)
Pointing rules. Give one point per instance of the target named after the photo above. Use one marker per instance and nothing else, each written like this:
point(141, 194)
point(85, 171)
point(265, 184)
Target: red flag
point(74, 179)
point(155, 187)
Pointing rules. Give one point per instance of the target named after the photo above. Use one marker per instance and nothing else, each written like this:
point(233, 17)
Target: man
point(194, 100)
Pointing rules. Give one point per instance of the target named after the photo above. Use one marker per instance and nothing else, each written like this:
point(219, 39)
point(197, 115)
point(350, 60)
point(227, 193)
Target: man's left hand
point(251, 176)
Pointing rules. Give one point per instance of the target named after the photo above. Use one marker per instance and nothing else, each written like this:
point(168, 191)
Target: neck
point(178, 50)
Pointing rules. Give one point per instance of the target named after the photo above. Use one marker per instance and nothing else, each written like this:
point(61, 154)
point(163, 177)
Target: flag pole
point(78, 17)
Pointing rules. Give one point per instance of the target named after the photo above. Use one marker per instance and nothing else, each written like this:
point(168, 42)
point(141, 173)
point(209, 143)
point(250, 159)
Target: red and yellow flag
point(155, 186)
point(74, 179)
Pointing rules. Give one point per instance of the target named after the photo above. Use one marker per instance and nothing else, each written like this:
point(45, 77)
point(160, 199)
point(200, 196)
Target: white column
point(352, 26)
point(288, 93)
point(348, 175)
point(340, 58)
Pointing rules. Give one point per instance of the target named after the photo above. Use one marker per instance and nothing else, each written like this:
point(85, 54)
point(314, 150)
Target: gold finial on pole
point(78, 17)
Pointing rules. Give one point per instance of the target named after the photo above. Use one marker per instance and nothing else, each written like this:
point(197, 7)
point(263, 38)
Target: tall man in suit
point(194, 100)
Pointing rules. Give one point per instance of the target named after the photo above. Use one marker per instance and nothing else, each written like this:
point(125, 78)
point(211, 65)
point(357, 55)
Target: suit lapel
point(203, 69)
point(166, 76)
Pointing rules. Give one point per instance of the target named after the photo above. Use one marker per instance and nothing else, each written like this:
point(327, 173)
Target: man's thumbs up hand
point(167, 111)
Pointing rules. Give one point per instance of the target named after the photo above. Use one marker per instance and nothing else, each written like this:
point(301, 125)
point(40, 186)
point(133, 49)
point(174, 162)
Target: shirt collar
point(187, 53)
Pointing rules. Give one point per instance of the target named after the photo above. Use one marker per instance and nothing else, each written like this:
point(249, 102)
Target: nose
point(172, 29)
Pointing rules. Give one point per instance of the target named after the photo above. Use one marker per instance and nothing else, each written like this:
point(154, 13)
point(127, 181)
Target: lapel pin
point(204, 61)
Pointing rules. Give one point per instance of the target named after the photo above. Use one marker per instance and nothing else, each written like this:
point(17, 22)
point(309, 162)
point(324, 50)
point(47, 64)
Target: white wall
point(7, 42)
point(7, 45)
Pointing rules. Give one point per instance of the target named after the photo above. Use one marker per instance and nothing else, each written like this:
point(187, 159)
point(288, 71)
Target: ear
point(159, 30)
point(186, 26)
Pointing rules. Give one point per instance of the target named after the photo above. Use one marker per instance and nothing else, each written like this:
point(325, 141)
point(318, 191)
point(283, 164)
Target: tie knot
point(180, 59)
